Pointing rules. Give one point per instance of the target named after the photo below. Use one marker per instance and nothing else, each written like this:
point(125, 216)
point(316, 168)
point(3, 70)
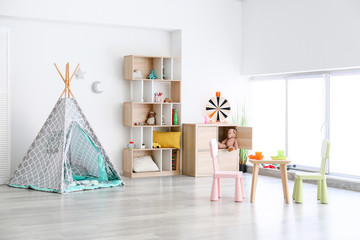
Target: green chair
point(322, 193)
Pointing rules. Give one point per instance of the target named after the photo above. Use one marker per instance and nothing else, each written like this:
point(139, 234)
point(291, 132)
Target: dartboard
point(218, 108)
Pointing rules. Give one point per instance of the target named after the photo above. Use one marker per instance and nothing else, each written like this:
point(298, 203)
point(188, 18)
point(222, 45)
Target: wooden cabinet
point(196, 159)
point(142, 91)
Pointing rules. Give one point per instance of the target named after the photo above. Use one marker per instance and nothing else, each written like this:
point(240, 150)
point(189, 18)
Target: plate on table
point(278, 158)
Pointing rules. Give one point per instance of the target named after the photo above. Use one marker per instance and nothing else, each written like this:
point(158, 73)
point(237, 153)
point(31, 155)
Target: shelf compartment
point(156, 154)
point(144, 64)
point(138, 113)
point(167, 68)
point(176, 68)
point(175, 94)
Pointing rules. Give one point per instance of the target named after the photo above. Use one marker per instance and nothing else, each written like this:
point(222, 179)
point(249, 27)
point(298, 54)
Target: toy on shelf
point(157, 96)
point(137, 74)
point(152, 75)
point(175, 117)
point(156, 145)
point(230, 143)
point(218, 108)
point(167, 100)
point(131, 145)
point(151, 120)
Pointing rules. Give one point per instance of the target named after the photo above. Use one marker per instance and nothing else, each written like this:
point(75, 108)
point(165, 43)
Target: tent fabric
point(65, 143)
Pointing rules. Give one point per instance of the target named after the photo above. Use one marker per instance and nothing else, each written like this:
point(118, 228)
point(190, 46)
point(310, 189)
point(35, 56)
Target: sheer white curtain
point(4, 109)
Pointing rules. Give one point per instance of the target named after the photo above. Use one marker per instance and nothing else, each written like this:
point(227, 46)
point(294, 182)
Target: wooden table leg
point(254, 182)
point(284, 182)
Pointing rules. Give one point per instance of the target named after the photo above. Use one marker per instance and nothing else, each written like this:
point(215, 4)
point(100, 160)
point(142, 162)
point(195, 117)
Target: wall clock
point(218, 108)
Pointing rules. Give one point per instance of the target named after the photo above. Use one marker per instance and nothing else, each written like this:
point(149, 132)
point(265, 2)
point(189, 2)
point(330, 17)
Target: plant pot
point(242, 168)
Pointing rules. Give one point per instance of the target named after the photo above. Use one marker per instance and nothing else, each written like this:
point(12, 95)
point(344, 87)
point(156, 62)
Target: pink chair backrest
point(214, 151)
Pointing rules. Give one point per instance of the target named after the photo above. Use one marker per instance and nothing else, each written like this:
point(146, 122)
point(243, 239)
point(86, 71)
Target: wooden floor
point(178, 208)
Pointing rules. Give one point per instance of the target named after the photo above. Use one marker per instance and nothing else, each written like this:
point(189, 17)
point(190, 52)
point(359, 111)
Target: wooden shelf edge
point(151, 174)
point(156, 126)
point(150, 149)
point(153, 102)
point(154, 80)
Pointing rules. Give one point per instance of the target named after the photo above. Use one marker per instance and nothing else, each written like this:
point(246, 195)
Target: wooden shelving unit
point(168, 81)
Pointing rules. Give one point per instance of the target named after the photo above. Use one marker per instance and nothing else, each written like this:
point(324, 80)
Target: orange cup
point(258, 155)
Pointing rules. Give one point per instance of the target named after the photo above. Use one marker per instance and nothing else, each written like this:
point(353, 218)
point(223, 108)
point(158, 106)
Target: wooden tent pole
point(74, 73)
point(67, 79)
point(67, 90)
point(59, 72)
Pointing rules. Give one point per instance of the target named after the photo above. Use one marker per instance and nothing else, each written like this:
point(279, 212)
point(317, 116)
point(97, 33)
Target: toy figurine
point(152, 75)
point(137, 74)
point(230, 143)
point(151, 120)
point(156, 145)
point(167, 100)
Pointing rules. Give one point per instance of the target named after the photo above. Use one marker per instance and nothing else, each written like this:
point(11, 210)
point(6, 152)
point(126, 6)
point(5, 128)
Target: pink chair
point(216, 186)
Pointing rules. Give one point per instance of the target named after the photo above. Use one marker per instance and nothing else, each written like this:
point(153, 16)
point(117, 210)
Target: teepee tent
point(66, 155)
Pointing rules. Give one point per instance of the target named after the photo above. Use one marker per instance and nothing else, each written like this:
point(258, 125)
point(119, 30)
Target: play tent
point(66, 155)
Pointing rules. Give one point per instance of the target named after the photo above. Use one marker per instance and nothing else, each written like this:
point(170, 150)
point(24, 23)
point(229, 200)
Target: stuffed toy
point(151, 118)
point(230, 143)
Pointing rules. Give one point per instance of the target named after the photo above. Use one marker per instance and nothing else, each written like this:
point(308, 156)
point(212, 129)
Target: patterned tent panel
point(42, 163)
point(47, 165)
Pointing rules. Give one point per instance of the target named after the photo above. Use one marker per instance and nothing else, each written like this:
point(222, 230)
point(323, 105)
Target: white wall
point(291, 35)
point(210, 47)
point(36, 85)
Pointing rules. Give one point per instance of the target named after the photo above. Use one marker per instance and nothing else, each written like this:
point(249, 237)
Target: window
point(344, 124)
point(268, 116)
point(306, 116)
point(297, 112)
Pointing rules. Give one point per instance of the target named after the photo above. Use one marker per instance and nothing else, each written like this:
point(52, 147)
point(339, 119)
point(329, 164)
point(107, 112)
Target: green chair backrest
point(325, 148)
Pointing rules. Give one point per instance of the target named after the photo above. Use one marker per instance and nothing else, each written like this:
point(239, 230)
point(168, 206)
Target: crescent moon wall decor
point(218, 108)
point(96, 87)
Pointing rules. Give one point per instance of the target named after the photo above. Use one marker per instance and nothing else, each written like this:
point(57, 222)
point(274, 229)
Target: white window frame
point(326, 74)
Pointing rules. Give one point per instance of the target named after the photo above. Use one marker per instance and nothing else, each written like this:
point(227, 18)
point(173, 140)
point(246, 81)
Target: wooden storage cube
point(138, 113)
point(204, 134)
point(243, 135)
point(175, 96)
point(146, 64)
point(222, 132)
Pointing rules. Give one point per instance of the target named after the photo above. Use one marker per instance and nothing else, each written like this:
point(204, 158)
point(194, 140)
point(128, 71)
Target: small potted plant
point(239, 117)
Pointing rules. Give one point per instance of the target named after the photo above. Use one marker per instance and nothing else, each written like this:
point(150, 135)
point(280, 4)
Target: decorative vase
point(175, 117)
